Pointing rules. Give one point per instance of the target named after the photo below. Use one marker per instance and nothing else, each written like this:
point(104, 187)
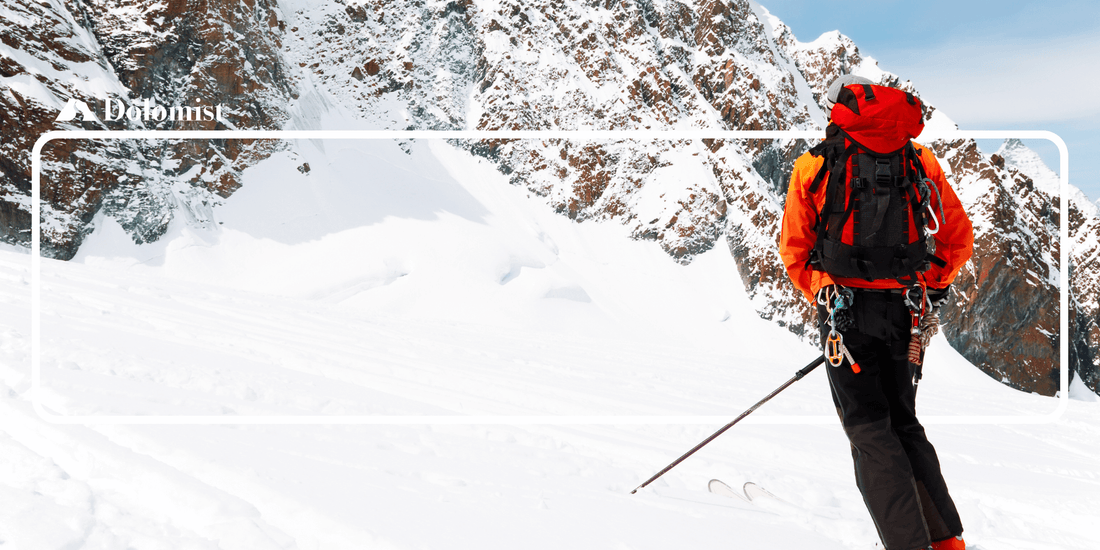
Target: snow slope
point(559, 365)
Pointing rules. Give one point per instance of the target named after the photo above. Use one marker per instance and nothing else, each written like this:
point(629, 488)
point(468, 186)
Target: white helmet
point(840, 82)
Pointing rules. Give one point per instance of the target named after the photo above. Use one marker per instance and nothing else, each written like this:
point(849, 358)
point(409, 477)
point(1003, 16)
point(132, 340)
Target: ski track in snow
point(482, 304)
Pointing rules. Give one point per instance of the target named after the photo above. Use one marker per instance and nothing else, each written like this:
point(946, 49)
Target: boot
point(954, 543)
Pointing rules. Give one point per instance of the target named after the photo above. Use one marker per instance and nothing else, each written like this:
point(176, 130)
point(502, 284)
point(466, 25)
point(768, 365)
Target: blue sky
point(987, 65)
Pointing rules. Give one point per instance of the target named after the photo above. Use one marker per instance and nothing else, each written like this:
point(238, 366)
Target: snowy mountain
point(517, 65)
point(393, 344)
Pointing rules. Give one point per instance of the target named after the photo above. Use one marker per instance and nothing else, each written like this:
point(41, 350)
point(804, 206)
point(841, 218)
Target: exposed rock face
point(1084, 281)
point(640, 66)
point(43, 41)
point(1084, 259)
point(1005, 315)
point(457, 64)
point(174, 53)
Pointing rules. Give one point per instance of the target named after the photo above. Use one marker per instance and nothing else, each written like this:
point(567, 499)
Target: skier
point(874, 235)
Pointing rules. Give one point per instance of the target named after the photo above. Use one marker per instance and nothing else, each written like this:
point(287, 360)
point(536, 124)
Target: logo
point(73, 107)
point(148, 110)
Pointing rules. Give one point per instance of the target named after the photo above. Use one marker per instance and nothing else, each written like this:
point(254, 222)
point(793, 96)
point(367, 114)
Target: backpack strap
point(922, 176)
point(920, 194)
point(835, 151)
point(832, 149)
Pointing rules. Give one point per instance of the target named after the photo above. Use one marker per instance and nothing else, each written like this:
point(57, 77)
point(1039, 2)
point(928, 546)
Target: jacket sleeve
point(797, 237)
point(955, 239)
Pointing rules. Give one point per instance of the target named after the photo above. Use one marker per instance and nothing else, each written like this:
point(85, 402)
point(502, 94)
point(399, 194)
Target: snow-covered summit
point(1018, 156)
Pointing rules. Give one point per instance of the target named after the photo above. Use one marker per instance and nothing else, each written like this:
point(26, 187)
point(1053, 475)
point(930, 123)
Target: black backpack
point(875, 222)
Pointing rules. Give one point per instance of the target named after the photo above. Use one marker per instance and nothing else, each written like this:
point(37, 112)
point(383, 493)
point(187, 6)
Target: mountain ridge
point(512, 65)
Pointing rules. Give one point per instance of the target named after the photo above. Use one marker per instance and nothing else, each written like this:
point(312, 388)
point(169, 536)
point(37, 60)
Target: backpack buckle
point(884, 176)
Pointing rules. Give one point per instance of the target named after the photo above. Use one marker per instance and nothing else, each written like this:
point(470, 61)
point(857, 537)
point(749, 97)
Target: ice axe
point(797, 376)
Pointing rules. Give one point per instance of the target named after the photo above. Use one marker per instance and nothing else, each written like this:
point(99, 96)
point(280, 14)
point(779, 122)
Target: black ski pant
point(896, 468)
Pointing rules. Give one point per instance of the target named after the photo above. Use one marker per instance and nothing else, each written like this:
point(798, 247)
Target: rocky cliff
point(507, 64)
point(176, 53)
point(1005, 315)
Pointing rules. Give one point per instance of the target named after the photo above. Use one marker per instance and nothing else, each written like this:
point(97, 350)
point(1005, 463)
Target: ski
point(756, 493)
point(719, 487)
point(750, 492)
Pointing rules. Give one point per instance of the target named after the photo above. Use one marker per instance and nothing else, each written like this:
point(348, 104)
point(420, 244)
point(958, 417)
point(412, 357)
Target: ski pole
point(797, 376)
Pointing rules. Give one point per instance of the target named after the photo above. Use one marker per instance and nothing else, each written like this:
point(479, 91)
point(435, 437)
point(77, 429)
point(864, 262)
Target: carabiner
point(834, 348)
point(932, 214)
point(836, 352)
point(915, 299)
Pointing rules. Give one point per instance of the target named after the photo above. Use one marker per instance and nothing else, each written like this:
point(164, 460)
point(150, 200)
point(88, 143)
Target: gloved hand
point(939, 296)
point(837, 301)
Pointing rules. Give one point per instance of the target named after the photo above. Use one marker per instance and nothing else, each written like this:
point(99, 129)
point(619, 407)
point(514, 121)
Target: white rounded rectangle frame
point(516, 420)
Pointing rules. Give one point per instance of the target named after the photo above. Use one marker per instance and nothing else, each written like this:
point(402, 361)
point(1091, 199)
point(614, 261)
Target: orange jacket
point(954, 242)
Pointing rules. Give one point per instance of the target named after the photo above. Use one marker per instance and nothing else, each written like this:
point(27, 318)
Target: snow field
point(386, 283)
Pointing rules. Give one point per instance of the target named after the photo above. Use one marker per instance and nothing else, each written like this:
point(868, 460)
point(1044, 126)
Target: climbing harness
point(837, 302)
